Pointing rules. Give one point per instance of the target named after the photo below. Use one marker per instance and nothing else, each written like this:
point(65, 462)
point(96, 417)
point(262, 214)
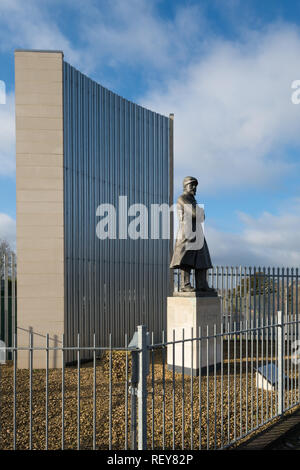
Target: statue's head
point(190, 185)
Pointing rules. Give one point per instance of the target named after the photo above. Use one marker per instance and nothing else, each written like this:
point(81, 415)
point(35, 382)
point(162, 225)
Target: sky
point(224, 68)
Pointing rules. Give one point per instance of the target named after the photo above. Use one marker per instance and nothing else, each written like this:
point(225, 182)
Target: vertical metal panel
point(112, 148)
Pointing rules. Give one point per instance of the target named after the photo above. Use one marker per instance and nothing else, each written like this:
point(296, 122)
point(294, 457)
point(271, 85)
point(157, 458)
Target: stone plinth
point(187, 313)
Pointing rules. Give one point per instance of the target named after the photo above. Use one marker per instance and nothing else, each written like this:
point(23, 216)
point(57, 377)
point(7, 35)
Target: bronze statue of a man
point(187, 253)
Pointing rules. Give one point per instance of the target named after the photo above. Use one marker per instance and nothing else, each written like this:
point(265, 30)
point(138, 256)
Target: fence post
point(133, 392)
point(142, 387)
point(280, 345)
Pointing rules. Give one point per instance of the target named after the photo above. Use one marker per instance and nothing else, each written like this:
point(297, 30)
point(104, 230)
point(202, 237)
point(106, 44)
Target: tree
point(259, 284)
point(5, 252)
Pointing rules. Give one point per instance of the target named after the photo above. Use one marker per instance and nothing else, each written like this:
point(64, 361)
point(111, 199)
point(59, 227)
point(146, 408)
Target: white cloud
point(8, 229)
point(114, 32)
point(7, 136)
point(234, 119)
point(31, 25)
point(268, 240)
point(133, 33)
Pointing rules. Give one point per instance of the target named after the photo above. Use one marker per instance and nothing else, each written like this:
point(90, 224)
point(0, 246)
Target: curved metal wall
point(112, 147)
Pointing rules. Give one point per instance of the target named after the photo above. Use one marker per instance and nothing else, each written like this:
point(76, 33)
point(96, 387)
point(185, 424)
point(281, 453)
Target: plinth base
point(195, 294)
point(187, 317)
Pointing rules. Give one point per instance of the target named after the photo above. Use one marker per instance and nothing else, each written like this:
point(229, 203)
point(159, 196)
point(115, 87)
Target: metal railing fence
point(247, 293)
point(230, 398)
point(137, 396)
point(253, 293)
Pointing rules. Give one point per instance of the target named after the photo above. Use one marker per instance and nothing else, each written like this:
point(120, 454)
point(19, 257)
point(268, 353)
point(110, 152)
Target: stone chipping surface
point(229, 407)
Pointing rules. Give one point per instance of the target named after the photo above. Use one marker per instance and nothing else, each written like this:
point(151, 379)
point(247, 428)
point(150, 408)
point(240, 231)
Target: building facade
point(78, 146)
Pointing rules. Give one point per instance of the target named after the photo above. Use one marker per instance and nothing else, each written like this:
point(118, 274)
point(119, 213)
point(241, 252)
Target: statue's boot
point(201, 281)
point(185, 283)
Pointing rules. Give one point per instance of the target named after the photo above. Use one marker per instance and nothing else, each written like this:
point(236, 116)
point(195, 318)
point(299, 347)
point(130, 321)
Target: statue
point(196, 257)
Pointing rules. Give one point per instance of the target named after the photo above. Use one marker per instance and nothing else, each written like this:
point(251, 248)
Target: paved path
point(289, 442)
point(283, 435)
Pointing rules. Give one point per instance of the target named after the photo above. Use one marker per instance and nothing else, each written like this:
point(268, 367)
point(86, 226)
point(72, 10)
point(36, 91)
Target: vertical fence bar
point(296, 295)
point(63, 392)
point(222, 385)
point(267, 336)
point(78, 391)
point(15, 388)
point(222, 292)
point(133, 423)
point(280, 343)
point(0, 402)
point(264, 298)
point(231, 295)
point(297, 328)
point(228, 383)
point(271, 360)
point(254, 299)
point(262, 365)
point(287, 338)
point(274, 288)
point(215, 384)
point(47, 391)
point(163, 391)
point(241, 377)
point(292, 334)
point(153, 390)
point(234, 381)
point(246, 338)
point(13, 294)
point(126, 393)
point(257, 402)
point(227, 297)
point(1, 275)
point(276, 333)
point(191, 391)
point(240, 294)
point(200, 387)
point(182, 391)
point(95, 394)
point(6, 315)
point(110, 395)
point(269, 287)
point(30, 387)
point(207, 388)
point(142, 388)
point(252, 354)
point(173, 389)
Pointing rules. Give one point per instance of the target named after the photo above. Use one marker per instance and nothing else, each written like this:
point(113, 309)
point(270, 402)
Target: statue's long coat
point(183, 257)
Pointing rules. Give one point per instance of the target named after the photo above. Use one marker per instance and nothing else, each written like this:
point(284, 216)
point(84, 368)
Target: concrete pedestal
point(187, 313)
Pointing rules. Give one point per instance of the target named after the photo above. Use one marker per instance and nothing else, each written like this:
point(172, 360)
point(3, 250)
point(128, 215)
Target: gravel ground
point(204, 422)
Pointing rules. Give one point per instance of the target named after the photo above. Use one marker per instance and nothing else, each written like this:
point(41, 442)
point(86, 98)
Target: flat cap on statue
point(189, 179)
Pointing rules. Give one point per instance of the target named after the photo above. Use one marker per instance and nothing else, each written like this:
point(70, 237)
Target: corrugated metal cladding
point(112, 147)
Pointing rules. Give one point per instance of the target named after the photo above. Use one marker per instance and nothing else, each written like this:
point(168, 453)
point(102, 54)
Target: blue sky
point(224, 68)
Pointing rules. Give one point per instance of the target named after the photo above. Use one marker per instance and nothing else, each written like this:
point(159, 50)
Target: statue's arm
point(185, 208)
